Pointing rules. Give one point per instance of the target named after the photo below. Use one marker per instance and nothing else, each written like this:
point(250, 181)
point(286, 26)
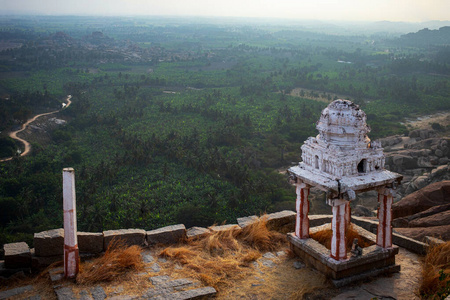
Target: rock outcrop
point(424, 213)
point(435, 194)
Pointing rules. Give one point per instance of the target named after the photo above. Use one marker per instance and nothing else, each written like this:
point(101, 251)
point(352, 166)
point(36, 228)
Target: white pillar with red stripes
point(384, 230)
point(71, 255)
point(338, 225)
point(348, 215)
point(302, 207)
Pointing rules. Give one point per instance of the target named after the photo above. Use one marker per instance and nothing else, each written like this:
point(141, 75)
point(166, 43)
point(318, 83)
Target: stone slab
point(49, 243)
point(156, 280)
point(369, 274)
point(56, 274)
point(195, 232)
point(223, 227)
point(183, 282)
point(98, 293)
point(65, 293)
point(15, 292)
point(280, 221)
point(370, 225)
point(360, 183)
point(166, 235)
point(129, 236)
point(317, 220)
point(147, 258)
point(17, 255)
point(245, 221)
point(194, 294)
point(409, 243)
point(90, 242)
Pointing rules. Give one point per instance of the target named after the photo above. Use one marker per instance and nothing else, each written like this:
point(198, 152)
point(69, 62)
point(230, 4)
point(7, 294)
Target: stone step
point(191, 294)
point(15, 292)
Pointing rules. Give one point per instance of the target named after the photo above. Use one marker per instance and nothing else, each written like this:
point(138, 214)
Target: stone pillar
point(338, 225)
point(348, 215)
point(384, 230)
point(71, 255)
point(302, 207)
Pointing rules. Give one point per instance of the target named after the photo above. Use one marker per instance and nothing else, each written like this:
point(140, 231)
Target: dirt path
point(13, 134)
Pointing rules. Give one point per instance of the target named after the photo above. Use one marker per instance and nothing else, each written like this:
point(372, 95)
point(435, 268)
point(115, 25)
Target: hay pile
point(324, 238)
point(221, 258)
point(436, 272)
point(118, 260)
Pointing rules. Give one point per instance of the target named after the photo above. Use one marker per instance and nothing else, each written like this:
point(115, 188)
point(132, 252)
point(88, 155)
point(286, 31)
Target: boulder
point(422, 133)
point(166, 235)
point(390, 141)
point(439, 219)
point(128, 236)
point(443, 160)
point(429, 212)
point(49, 243)
point(420, 182)
point(420, 233)
point(90, 242)
point(404, 162)
point(17, 255)
point(432, 195)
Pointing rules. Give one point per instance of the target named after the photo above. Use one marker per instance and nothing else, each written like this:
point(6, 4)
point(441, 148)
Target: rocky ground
point(276, 275)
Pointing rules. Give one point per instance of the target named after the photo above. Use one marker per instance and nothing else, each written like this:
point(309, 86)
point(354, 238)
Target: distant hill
point(426, 37)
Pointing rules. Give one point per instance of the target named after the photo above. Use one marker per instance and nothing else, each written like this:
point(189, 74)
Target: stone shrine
point(342, 161)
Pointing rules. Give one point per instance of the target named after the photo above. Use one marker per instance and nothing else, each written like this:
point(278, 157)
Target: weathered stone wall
point(49, 245)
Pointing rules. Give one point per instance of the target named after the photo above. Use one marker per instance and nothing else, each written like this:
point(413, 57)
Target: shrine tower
point(342, 161)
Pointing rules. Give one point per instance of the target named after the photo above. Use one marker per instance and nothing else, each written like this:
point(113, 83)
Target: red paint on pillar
point(67, 251)
point(384, 220)
point(302, 214)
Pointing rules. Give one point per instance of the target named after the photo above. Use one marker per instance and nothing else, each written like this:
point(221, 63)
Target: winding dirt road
point(13, 134)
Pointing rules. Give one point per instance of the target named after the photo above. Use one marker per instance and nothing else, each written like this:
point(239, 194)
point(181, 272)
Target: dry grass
point(221, 258)
point(117, 261)
point(324, 238)
point(436, 272)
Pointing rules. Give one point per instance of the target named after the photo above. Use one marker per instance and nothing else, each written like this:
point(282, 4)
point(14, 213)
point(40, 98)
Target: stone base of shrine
point(374, 260)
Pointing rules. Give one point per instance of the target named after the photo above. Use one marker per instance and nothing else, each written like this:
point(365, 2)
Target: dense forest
point(187, 122)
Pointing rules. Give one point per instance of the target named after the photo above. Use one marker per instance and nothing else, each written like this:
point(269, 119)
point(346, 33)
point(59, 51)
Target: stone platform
point(373, 261)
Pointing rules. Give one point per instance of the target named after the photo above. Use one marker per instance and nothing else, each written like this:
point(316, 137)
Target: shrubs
point(436, 272)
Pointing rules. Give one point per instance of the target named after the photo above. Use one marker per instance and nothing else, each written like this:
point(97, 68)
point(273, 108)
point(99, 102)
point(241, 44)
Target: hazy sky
point(358, 10)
